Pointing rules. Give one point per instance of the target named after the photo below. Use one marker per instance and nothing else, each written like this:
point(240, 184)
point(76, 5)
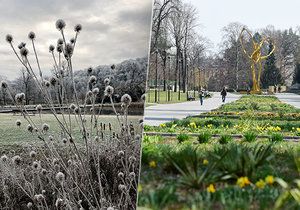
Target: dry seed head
point(122, 187)
point(121, 153)
point(106, 81)
point(32, 154)
point(31, 35)
point(109, 90)
point(53, 81)
point(9, 38)
point(44, 171)
point(18, 123)
point(60, 24)
point(126, 99)
point(78, 28)
point(121, 175)
point(92, 80)
point(39, 108)
point(89, 94)
point(45, 127)
point(39, 197)
point(113, 67)
point(60, 177)
point(59, 48)
point(60, 41)
point(21, 45)
point(95, 91)
point(50, 138)
point(90, 70)
point(36, 165)
point(4, 158)
point(16, 159)
point(4, 84)
point(24, 52)
point(51, 48)
point(72, 40)
point(69, 50)
point(20, 97)
point(29, 205)
point(132, 175)
point(132, 159)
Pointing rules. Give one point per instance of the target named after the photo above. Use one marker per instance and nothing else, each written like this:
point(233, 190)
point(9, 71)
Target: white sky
point(113, 30)
point(215, 14)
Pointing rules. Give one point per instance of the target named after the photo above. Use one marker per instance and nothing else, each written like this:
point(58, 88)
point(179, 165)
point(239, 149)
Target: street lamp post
point(180, 67)
point(169, 77)
point(186, 81)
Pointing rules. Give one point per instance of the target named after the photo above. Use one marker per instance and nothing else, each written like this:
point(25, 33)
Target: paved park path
point(289, 98)
point(162, 113)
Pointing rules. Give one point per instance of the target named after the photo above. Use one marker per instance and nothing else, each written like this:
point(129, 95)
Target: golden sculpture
point(256, 58)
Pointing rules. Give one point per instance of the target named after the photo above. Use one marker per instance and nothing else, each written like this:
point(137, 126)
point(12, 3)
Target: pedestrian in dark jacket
point(201, 96)
point(223, 94)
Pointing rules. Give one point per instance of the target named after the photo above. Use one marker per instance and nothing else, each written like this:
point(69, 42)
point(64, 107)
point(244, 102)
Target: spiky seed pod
point(60, 24)
point(9, 38)
point(39, 198)
point(36, 165)
point(72, 40)
point(59, 48)
point(121, 175)
point(113, 67)
point(32, 154)
point(53, 81)
point(39, 108)
point(16, 160)
point(31, 35)
point(92, 80)
point(109, 90)
point(78, 28)
point(95, 91)
point(20, 97)
point(126, 99)
point(30, 128)
point(24, 52)
point(51, 48)
point(69, 50)
point(21, 45)
point(45, 127)
point(29, 205)
point(47, 84)
point(44, 171)
point(89, 94)
point(60, 177)
point(60, 41)
point(90, 70)
point(4, 158)
point(132, 159)
point(4, 84)
point(121, 153)
point(106, 81)
point(72, 106)
point(132, 175)
point(64, 140)
point(122, 187)
point(18, 123)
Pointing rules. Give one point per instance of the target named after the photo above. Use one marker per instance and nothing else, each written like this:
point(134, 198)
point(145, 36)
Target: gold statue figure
point(256, 58)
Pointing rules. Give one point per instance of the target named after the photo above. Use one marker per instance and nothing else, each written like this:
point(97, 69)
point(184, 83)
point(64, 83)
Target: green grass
point(163, 97)
point(10, 134)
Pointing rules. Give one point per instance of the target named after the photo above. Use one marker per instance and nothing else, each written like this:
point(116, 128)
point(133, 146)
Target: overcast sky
point(215, 14)
point(113, 30)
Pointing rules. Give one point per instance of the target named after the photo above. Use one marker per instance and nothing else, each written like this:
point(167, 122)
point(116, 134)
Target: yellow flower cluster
point(209, 126)
point(243, 181)
point(262, 183)
point(152, 164)
point(211, 188)
point(205, 162)
point(193, 125)
point(162, 125)
point(268, 128)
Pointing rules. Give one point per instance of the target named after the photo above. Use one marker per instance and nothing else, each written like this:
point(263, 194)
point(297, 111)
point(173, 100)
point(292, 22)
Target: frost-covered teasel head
point(16, 160)
point(32, 154)
point(20, 97)
point(4, 85)
point(21, 45)
point(92, 79)
point(69, 50)
point(60, 177)
point(106, 81)
point(126, 99)
point(45, 127)
point(24, 52)
point(30, 128)
point(109, 90)
point(4, 158)
point(51, 48)
point(95, 91)
point(53, 81)
point(72, 40)
point(39, 108)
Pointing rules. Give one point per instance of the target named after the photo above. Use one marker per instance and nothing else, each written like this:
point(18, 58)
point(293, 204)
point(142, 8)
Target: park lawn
point(163, 97)
point(10, 134)
point(204, 172)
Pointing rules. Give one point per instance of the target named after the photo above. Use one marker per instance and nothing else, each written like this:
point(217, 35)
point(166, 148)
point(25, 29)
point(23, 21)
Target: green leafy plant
point(182, 137)
point(276, 137)
point(224, 139)
point(249, 136)
point(204, 137)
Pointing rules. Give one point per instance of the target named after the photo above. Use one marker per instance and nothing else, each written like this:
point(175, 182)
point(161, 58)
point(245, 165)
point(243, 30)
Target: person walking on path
point(201, 96)
point(223, 94)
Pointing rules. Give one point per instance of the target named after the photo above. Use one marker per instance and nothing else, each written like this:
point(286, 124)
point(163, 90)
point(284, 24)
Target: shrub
point(204, 137)
point(276, 137)
point(254, 106)
point(224, 139)
point(250, 136)
point(182, 137)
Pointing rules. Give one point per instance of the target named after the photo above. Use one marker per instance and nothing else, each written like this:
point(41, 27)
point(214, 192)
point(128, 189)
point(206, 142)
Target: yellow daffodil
point(193, 125)
point(211, 188)
point(162, 125)
point(260, 184)
point(243, 181)
point(152, 164)
point(205, 162)
point(269, 179)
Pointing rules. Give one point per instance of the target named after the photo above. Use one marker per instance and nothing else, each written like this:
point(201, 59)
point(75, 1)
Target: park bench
point(191, 98)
